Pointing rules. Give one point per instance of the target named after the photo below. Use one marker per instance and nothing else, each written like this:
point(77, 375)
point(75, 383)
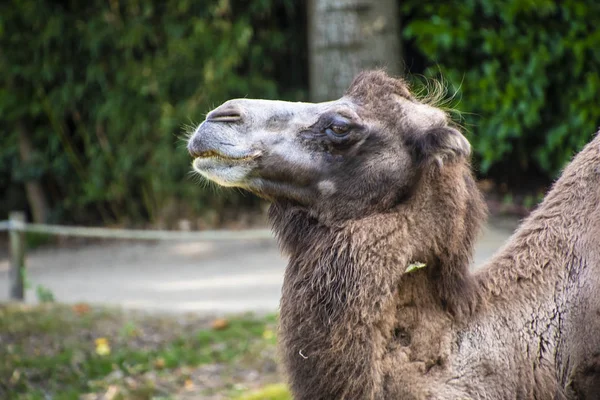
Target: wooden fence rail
point(17, 227)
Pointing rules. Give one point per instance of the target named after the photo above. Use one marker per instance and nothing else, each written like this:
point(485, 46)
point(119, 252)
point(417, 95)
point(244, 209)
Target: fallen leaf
point(81, 308)
point(14, 378)
point(102, 347)
point(189, 384)
point(131, 383)
point(159, 363)
point(268, 334)
point(415, 266)
point(220, 324)
point(111, 393)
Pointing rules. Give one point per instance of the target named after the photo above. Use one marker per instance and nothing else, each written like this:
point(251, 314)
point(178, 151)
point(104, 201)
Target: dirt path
point(181, 277)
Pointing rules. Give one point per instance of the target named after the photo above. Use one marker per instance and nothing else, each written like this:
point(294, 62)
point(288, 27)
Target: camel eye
point(339, 129)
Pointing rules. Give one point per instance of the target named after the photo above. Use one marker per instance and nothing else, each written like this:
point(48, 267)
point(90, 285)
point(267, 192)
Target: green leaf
point(415, 266)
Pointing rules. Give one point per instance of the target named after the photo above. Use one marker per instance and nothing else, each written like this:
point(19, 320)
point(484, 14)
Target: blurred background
point(96, 98)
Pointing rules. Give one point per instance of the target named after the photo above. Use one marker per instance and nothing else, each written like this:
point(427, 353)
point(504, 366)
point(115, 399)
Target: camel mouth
point(229, 170)
point(218, 156)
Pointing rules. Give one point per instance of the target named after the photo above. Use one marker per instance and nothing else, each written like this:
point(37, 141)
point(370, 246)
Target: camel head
point(359, 154)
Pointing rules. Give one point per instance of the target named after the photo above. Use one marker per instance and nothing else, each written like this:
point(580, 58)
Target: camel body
point(534, 331)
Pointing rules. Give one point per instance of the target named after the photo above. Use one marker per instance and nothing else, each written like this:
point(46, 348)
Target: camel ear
point(439, 145)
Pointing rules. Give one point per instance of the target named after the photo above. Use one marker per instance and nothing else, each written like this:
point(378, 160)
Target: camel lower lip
point(219, 162)
point(213, 155)
point(224, 171)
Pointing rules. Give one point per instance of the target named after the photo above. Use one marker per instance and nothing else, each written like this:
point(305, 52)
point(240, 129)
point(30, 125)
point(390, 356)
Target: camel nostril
point(224, 115)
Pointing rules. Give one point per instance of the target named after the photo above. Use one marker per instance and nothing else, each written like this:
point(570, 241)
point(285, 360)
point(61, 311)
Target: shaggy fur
point(353, 209)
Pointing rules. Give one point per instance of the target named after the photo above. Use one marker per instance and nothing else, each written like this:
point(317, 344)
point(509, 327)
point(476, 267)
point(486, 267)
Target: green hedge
point(104, 87)
point(527, 74)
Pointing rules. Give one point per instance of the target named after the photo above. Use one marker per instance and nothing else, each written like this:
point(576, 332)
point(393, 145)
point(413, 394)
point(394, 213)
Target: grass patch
point(277, 391)
point(53, 351)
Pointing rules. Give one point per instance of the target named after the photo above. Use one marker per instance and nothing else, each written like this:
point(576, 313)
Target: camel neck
point(339, 287)
point(346, 285)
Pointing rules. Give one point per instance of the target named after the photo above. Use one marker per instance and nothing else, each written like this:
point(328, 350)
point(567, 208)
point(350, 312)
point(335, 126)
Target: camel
point(373, 200)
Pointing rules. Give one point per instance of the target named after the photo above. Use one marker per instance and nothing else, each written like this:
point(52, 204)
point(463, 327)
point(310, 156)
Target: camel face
point(262, 145)
point(313, 154)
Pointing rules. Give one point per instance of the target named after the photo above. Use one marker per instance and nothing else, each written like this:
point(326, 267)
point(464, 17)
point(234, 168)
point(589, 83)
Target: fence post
point(17, 256)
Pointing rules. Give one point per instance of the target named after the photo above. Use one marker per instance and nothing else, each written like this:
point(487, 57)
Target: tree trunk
point(348, 36)
point(36, 196)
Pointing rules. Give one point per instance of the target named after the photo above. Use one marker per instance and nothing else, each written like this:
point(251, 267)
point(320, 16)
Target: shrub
point(527, 73)
point(102, 88)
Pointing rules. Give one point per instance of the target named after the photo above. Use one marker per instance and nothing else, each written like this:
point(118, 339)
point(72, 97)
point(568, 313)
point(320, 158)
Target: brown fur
point(344, 287)
point(397, 189)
